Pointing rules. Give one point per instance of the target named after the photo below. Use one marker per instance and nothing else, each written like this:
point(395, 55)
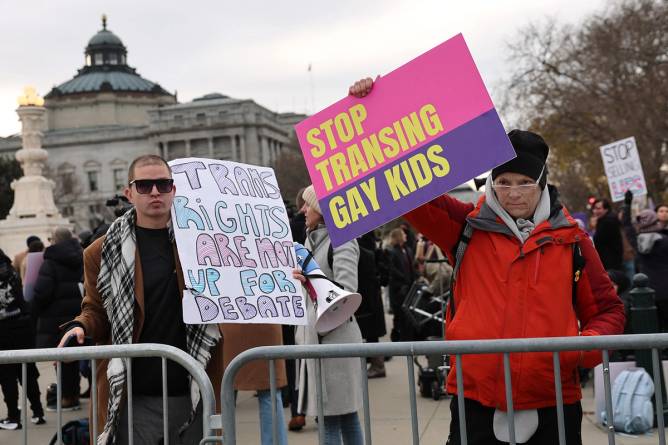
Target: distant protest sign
point(424, 129)
point(623, 169)
point(234, 243)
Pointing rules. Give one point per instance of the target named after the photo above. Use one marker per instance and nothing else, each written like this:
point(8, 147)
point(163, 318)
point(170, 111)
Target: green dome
point(106, 70)
point(105, 37)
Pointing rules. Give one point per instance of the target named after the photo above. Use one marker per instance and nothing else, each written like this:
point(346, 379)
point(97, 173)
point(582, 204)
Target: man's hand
point(298, 275)
point(78, 332)
point(628, 197)
point(362, 87)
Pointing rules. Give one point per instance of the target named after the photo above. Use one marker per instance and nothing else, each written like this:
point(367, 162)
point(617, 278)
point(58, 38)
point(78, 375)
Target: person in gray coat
point(341, 377)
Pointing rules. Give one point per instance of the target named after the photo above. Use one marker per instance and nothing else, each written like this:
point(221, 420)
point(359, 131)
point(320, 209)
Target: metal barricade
point(654, 342)
point(95, 353)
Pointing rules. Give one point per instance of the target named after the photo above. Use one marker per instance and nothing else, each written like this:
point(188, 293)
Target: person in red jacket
point(515, 280)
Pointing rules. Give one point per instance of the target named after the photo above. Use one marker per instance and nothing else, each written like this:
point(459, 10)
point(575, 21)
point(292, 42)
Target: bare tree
point(291, 171)
point(584, 87)
point(10, 170)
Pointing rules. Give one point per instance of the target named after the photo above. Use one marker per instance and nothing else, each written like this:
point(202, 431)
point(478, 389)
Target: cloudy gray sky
point(258, 49)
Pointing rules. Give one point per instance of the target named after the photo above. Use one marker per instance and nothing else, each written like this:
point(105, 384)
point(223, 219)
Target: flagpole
point(312, 86)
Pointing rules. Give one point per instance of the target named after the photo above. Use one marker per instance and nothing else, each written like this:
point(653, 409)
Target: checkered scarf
point(116, 285)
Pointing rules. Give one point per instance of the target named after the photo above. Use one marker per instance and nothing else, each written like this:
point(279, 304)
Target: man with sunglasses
point(523, 269)
point(133, 289)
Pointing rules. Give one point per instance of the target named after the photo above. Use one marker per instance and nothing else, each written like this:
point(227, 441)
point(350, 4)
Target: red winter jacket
point(508, 290)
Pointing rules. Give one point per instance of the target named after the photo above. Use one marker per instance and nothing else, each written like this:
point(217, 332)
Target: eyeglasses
point(522, 188)
point(145, 186)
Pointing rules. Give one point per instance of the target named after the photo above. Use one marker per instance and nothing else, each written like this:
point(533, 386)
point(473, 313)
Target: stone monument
point(34, 211)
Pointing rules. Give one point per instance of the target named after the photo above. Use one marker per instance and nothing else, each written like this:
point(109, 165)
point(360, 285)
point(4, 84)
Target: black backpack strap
point(308, 259)
point(330, 256)
point(578, 267)
point(458, 254)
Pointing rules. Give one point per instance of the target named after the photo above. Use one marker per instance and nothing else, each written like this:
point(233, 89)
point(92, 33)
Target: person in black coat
point(298, 220)
point(651, 243)
point(370, 315)
point(57, 299)
point(402, 275)
point(608, 236)
point(16, 333)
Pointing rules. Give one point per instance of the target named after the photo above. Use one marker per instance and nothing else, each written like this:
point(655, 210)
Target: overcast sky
point(258, 49)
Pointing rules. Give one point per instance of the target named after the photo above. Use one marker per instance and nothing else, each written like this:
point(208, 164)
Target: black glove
point(628, 197)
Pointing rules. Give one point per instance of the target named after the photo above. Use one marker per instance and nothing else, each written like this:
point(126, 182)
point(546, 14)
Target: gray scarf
point(521, 227)
point(116, 285)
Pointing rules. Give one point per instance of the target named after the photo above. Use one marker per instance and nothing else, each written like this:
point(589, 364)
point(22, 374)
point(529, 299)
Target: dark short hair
point(146, 160)
point(36, 246)
point(32, 238)
point(605, 202)
point(656, 209)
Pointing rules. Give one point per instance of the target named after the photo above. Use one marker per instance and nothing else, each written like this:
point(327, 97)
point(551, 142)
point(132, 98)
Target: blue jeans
point(266, 426)
point(630, 269)
point(346, 427)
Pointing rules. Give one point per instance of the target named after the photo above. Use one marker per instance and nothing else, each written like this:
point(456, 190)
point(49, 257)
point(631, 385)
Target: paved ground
point(390, 416)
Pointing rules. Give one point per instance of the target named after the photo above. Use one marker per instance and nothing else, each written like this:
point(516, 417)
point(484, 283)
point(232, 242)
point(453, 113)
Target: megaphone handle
point(311, 293)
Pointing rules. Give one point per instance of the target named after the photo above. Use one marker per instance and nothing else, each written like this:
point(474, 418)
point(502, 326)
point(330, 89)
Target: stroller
point(426, 314)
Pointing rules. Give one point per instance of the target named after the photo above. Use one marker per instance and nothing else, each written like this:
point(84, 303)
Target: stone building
point(108, 114)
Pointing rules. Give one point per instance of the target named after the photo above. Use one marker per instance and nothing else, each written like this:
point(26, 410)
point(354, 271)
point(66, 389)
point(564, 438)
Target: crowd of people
point(628, 244)
point(33, 320)
point(501, 261)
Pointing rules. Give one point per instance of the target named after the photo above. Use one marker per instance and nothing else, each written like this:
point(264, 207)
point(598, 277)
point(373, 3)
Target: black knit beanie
point(531, 152)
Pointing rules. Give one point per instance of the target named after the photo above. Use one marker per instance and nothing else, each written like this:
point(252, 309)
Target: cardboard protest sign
point(425, 128)
point(234, 243)
point(623, 169)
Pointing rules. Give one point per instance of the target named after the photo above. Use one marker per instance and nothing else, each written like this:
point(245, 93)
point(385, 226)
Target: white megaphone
point(333, 304)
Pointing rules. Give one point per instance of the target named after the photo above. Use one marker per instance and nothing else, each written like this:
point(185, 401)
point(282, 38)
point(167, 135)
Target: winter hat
point(531, 152)
point(648, 221)
point(310, 198)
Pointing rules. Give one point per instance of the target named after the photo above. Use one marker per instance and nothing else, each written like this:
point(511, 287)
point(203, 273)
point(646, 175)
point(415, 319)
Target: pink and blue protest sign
point(425, 128)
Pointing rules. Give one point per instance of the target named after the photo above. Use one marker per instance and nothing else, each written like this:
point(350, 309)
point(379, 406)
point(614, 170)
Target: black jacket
point(653, 261)
point(652, 255)
point(370, 315)
point(402, 273)
point(298, 228)
point(15, 325)
point(57, 297)
point(608, 241)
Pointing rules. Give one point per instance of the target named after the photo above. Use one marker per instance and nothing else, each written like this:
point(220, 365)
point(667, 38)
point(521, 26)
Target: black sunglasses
point(145, 186)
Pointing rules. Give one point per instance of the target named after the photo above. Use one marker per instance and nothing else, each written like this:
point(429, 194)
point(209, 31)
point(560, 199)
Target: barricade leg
point(130, 413)
point(412, 398)
point(272, 400)
point(658, 396)
point(463, 439)
point(365, 401)
point(560, 399)
point(165, 405)
point(24, 401)
point(608, 398)
point(321, 408)
point(509, 397)
point(59, 396)
point(93, 396)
